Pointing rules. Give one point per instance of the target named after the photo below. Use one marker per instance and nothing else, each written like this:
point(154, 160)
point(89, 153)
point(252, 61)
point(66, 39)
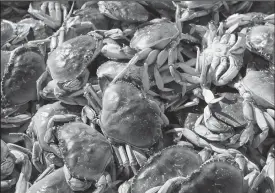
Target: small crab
point(213, 176)
point(259, 37)
point(13, 33)
point(85, 166)
point(49, 12)
point(11, 156)
point(123, 120)
point(124, 11)
point(195, 9)
point(222, 56)
point(67, 66)
point(171, 162)
point(45, 118)
point(257, 90)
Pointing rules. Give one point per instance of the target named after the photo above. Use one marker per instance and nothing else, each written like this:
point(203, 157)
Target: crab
point(49, 12)
point(215, 175)
point(195, 9)
point(171, 162)
point(13, 33)
point(45, 118)
point(222, 56)
point(84, 167)
point(20, 69)
point(67, 66)
point(123, 121)
point(259, 37)
point(10, 176)
point(156, 42)
point(124, 11)
point(257, 107)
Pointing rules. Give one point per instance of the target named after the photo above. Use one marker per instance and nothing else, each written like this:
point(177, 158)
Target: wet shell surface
point(128, 117)
point(86, 152)
point(171, 162)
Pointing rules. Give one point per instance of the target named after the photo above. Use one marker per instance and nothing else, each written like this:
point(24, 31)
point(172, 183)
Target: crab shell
point(71, 58)
point(128, 117)
point(228, 111)
point(169, 163)
point(40, 120)
point(18, 84)
point(86, 152)
point(51, 183)
point(214, 176)
point(128, 11)
point(260, 39)
point(157, 35)
point(7, 31)
point(261, 86)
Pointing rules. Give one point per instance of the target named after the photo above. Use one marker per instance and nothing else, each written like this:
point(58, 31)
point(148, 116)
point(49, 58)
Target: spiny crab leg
point(37, 157)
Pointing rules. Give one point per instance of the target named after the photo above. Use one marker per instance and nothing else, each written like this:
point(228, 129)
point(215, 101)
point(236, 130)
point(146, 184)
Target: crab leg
point(22, 136)
point(260, 119)
point(36, 156)
point(190, 14)
point(270, 121)
point(39, 83)
point(89, 92)
point(131, 158)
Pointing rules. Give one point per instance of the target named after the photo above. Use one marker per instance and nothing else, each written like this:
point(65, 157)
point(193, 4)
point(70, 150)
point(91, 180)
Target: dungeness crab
point(67, 66)
point(128, 117)
point(86, 154)
point(43, 120)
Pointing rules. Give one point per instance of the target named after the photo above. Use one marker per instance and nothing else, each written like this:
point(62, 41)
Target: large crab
point(128, 117)
point(86, 154)
point(67, 66)
point(259, 37)
point(43, 120)
point(20, 69)
point(213, 176)
point(171, 162)
point(257, 90)
point(11, 158)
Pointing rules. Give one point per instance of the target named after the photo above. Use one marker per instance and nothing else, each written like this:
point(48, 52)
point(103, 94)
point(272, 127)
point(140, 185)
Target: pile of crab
point(137, 97)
